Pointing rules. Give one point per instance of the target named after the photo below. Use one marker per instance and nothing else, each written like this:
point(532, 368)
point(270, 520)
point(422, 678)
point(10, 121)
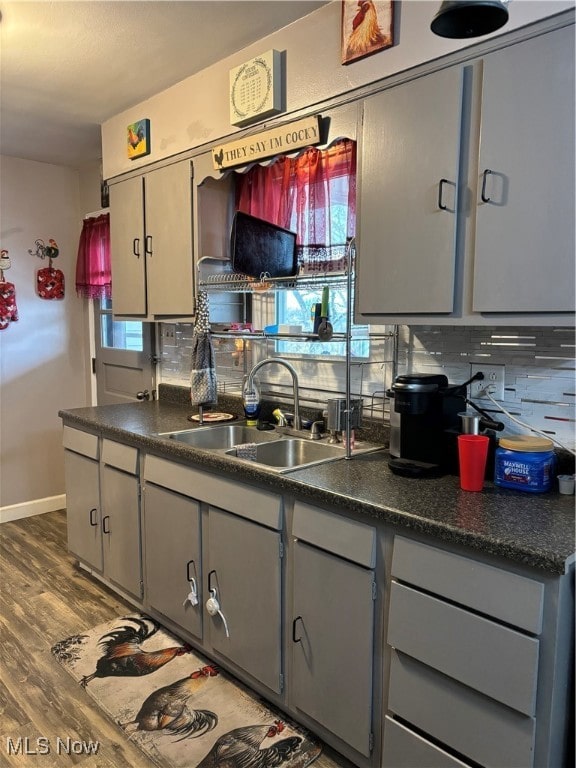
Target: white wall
point(195, 111)
point(43, 355)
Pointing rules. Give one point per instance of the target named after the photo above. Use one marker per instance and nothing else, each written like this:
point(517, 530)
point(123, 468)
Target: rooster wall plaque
point(367, 27)
point(138, 139)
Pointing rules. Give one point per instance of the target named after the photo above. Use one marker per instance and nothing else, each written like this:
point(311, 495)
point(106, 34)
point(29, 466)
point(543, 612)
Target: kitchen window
point(313, 195)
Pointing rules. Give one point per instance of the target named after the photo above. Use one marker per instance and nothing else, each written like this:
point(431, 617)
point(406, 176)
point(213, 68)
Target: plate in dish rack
point(212, 416)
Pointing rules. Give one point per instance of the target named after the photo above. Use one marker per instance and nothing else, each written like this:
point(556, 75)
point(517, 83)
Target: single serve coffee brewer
point(424, 420)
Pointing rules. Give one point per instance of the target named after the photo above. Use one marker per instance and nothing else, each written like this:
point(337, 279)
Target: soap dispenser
point(251, 402)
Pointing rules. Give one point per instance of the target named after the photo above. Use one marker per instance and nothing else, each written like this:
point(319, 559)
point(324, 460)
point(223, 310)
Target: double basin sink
point(267, 448)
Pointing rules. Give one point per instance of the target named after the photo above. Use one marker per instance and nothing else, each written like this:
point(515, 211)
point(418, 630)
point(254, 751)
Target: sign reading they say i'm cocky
point(286, 138)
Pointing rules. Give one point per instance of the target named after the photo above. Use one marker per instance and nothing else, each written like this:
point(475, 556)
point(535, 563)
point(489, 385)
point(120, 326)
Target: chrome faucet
point(291, 369)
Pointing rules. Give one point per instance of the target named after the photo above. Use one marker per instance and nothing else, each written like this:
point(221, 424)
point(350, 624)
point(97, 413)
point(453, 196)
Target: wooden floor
point(44, 598)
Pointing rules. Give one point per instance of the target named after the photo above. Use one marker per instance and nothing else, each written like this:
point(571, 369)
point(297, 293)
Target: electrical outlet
point(493, 378)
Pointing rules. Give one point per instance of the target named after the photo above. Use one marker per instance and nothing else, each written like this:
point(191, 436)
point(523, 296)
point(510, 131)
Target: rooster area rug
point(177, 706)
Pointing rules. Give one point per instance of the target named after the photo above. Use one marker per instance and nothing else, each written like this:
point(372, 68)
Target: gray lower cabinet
point(173, 566)
point(83, 515)
point(471, 664)
point(228, 536)
point(333, 624)
point(245, 576)
point(120, 490)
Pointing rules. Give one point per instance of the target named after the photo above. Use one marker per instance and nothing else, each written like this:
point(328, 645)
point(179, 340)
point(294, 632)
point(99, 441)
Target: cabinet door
point(245, 568)
point(332, 647)
point(172, 537)
point(127, 248)
point(121, 529)
point(409, 169)
point(169, 261)
point(83, 508)
point(524, 258)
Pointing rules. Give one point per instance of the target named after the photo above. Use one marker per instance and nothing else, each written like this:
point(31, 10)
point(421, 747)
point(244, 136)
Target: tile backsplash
point(539, 381)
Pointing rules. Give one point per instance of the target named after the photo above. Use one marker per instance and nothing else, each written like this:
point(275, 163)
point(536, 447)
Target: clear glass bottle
point(251, 402)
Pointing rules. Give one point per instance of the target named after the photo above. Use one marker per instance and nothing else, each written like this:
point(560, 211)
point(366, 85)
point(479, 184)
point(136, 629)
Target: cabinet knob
point(136, 247)
point(93, 520)
point(105, 528)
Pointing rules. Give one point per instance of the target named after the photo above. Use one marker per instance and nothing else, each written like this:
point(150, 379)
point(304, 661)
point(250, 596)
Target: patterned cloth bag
point(203, 385)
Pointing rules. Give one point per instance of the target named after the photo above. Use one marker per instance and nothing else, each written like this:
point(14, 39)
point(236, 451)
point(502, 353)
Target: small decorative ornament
point(8, 309)
point(256, 88)
point(138, 139)
point(49, 281)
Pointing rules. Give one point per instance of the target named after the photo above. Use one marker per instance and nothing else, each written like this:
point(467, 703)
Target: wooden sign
point(276, 141)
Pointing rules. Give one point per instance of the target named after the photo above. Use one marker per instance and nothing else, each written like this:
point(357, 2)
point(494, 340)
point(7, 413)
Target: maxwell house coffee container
point(525, 463)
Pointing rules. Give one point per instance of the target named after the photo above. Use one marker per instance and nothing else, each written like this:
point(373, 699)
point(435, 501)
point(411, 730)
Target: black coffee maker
point(424, 425)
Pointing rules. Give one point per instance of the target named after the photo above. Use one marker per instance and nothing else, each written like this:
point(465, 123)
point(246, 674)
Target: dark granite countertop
point(536, 530)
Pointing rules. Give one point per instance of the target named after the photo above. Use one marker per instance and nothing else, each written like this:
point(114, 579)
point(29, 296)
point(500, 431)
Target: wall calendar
point(256, 88)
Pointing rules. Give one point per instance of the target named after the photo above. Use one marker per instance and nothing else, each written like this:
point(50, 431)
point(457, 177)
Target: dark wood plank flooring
point(45, 597)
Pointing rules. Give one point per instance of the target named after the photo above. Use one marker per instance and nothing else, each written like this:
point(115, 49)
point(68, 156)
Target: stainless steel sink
point(289, 453)
point(226, 436)
point(271, 449)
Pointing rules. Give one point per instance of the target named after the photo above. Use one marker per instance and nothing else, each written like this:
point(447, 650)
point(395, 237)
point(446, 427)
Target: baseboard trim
point(31, 508)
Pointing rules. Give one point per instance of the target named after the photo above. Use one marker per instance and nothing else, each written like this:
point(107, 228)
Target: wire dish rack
point(215, 274)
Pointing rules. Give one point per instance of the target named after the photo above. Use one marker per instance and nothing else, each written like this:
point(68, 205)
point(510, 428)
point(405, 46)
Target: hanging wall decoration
point(49, 281)
point(8, 309)
point(367, 27)
point(139, 139)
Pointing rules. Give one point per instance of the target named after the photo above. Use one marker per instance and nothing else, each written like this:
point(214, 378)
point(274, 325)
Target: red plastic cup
point(472, 455)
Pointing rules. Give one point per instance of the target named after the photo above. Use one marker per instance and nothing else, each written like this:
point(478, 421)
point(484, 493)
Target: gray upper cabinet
point(407, 196)
point(466, 192)
point(525, 208)
point(151, 243)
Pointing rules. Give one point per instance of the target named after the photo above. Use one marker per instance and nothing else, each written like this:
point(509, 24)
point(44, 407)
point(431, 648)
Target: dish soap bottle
point(251, 401)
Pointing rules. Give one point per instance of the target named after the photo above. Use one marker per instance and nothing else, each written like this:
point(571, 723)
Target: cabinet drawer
point(342, 537)
point(122, 457)
point(505, 596)
point(252, 503)
point(480, 653)
point(405, 749)
point(473, 725)
point(80, 442)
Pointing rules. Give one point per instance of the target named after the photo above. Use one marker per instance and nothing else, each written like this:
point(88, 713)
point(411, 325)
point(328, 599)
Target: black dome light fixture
point(459, 19)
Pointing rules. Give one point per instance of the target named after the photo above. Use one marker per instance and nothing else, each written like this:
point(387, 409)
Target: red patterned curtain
point(313, 194)
point(93, 271)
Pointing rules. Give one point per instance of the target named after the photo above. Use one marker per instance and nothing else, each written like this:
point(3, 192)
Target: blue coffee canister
point(525, 463)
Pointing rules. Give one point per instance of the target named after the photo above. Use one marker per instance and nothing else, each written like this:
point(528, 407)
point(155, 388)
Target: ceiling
point(68, 66)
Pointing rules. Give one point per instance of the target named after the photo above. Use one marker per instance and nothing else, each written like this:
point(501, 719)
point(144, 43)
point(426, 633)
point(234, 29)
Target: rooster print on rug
point(174, 704)
point(123, 656)
point(245, 748)
point(167, 708)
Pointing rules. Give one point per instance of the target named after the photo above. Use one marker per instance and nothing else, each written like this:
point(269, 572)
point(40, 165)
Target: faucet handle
point(316, 430)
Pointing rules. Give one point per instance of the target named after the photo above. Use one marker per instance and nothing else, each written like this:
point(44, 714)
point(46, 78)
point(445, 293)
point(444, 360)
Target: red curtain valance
point(93, 270)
